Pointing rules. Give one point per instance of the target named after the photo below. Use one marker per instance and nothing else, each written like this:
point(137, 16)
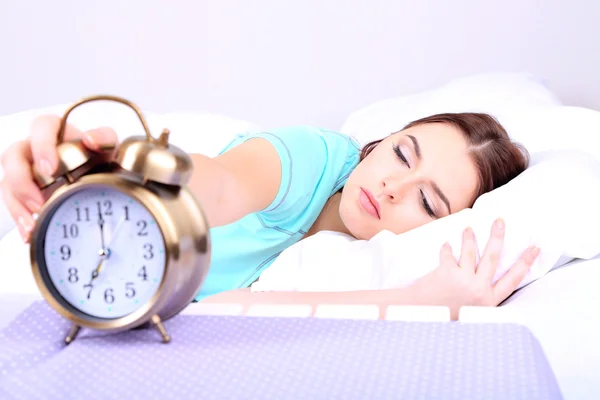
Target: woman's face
point(411, 178)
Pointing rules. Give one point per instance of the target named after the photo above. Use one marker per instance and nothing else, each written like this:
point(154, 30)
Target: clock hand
point(103, 256)
point(95, 274)
point(101, 225)
point(104, 252)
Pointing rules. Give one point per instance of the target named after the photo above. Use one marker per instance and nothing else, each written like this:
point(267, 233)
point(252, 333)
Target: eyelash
point(426, 205)
point(424, 201)
point(400, 155)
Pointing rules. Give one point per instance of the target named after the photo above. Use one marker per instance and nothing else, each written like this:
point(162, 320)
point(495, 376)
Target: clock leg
point(161, 328)
point(72, 334)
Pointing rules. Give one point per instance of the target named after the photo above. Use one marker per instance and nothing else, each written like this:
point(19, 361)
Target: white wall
point(280, 62)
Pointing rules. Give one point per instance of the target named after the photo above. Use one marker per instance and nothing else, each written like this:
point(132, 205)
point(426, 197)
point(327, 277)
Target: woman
point(267, 191)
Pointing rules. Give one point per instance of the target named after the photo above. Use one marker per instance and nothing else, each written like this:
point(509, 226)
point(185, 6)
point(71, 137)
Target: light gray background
point(281, 62)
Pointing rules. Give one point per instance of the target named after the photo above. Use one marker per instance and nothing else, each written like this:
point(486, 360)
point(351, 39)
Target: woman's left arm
point(453, 284)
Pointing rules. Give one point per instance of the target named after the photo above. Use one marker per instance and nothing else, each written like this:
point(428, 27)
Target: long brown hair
point(497, 159)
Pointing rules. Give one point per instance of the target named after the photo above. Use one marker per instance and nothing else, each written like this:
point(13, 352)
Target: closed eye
point(424, 201)
point(426, 205)
point(400, 155)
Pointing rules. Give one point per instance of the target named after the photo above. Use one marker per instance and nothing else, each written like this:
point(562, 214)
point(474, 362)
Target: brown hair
point(497, 158)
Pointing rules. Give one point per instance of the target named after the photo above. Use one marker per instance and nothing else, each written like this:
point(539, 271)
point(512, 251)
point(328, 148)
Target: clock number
point(73, 278)
point(130, 291)
point(90, 286)
point(143, 225)
point(65, 252)
point(126, 213)
point(87, 214)
point(143, 274)
point(149, 254)
point(109, 296)
point(107, 207)
point(72, 230)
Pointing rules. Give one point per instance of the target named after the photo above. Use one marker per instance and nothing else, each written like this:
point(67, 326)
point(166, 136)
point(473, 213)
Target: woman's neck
point(329, 219)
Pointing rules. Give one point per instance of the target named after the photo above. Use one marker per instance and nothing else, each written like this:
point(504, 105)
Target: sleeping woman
point(266, 191)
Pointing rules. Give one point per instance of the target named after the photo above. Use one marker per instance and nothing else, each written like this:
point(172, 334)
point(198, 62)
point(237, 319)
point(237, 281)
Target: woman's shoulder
point(316, 147)
point(307, 144)
point(328, 146)
point(315, 162)
point(310, 132)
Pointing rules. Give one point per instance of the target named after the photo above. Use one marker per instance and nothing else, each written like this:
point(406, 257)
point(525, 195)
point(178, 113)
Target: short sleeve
point(315, 163)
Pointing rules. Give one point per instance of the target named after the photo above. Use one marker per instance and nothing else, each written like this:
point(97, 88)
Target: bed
point(559, 310)
point(558, 305)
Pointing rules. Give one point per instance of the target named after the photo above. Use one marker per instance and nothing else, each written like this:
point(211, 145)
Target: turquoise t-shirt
point(315, 164)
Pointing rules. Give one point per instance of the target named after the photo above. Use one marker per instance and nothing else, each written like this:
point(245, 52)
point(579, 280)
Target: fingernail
point(499, 224)
point(33, 205)
point(532, 253)
point(468, 233)
point(447, 246)
point(24, 236)
point(90, 140)
point(45, 167)
point(25, 224)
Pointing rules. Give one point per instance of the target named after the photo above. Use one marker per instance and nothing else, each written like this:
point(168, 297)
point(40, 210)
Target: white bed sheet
point(562, 311)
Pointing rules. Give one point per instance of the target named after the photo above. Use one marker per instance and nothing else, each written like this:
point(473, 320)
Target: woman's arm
point(243, 180)
point(453, 284)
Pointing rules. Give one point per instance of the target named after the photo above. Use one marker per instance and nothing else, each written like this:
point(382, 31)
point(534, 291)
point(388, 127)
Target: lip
point(369, 203)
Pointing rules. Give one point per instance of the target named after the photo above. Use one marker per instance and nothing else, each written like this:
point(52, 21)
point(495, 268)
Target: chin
point(356, 224)
point(363, 234)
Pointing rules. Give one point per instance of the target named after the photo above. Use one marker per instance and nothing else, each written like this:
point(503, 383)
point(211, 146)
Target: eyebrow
point(436, 188)
point(416, 145)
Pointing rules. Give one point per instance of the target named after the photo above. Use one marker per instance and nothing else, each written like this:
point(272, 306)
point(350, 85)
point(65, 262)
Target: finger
point(514, 276)
point(19, 213)
point(446, 256)
point(44, 135)
point(468, 254)
point(100, 138)
point(493, 250)
point(18, 177)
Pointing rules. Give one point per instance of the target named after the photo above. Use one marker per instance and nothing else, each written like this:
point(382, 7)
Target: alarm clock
point(120, 242)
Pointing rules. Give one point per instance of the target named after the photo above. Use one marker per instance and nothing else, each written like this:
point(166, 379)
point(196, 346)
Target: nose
point(395, 189)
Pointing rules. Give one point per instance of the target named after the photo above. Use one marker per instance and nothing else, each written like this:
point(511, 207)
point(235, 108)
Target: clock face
point(104, 252)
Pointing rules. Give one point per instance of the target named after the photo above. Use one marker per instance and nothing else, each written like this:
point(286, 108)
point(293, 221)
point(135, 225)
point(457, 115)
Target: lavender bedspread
point(226, 357)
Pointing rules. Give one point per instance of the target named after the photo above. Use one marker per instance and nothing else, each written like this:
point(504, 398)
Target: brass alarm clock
point(121, 242)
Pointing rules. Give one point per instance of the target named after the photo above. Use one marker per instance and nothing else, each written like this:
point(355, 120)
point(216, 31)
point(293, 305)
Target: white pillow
point(563, 223)
point(553, 204)
point(203, 132)
point(15, 126)
point(499, 94)
point(555, 128)
point(198, 131)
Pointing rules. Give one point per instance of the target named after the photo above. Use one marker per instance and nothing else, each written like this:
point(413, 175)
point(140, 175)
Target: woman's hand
point(20, 193)
point(463, 283)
